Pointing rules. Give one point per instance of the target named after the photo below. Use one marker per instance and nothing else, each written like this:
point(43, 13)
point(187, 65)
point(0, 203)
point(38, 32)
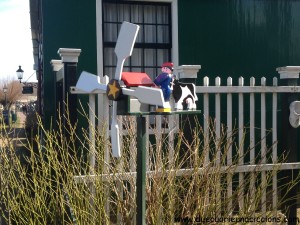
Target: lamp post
point(20, 73)
point(5, 92)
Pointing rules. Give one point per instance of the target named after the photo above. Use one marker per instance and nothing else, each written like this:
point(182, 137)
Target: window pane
point(149, 14)
point(110, 32)
point(109, 14)
point(150, 33)
point(163, 34)
point(150, 57)
point(109, 57)
point(124, 12)
point(137, 56)
point(140, 36)
point(136, 14)
point(162, 56)
point(163, 13)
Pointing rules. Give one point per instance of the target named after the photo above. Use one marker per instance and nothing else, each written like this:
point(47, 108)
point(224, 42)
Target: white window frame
point(103, 112)
point(174, 50)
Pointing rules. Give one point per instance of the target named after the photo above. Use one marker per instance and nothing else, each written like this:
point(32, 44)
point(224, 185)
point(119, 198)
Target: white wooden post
point(274, 149)
point(56, 64)
point(57, 67)
point(187, 71)
point(217, 143)
point(229, 148)
point(69, 57)
point(188, 74)
point(289, 72)
point(252, 145)
point(241, 145)
point(263, 149)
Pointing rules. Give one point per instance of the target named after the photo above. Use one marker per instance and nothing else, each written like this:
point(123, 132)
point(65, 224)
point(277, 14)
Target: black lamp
point(20, 73)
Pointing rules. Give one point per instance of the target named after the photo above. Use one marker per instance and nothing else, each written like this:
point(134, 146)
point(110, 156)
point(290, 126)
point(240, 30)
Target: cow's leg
point(178, 105)
point(189, 103)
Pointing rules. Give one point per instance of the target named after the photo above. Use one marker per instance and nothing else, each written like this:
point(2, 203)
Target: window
point(154, 41)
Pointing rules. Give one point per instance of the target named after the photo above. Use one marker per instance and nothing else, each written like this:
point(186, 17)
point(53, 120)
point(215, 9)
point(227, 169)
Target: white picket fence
point(236, 99)
point(229, 90)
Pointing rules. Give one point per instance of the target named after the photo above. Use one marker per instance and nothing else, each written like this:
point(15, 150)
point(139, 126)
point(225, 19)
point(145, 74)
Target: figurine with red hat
point(164, 81)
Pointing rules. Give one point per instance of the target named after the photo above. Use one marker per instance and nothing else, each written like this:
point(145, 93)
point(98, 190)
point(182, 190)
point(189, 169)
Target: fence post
point(57, 67)
point(187, 74)
point(289, 76)
point(69, 58)
point(141, 171)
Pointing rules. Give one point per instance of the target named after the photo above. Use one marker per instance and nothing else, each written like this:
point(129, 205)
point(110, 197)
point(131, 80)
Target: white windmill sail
point(90, 83)
point(123, 50)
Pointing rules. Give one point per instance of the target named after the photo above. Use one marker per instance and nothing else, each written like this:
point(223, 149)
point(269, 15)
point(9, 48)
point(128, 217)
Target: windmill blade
point(115, 133)
point(147, 95)
point(123, 49)
point(89, 83)
point(124, 46)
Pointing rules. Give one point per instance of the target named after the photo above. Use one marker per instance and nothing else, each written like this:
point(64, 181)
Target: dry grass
point(41, 189)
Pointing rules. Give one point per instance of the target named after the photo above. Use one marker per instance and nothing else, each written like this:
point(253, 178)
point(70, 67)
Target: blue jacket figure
point(164, 80)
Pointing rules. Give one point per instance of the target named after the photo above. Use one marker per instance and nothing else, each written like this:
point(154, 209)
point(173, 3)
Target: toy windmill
point(91, 83)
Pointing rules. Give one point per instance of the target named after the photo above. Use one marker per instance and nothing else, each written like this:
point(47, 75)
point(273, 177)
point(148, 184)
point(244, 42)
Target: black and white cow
point(184, 95)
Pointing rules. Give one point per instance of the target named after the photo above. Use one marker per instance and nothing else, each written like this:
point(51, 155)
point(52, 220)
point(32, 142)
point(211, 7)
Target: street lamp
point(20, 73)
point(5, 91)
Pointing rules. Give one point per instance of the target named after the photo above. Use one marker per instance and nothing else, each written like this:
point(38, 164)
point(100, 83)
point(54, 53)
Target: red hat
point(168, 64)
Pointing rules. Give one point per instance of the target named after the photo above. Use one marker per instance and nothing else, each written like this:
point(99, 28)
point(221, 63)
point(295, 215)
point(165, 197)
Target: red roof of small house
point(134, 79)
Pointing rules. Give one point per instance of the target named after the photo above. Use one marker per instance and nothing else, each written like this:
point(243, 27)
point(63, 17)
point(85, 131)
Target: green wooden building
point(249, 38)
point(227, 38)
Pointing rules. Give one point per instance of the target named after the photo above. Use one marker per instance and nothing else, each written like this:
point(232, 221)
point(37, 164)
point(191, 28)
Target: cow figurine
point(184, 95)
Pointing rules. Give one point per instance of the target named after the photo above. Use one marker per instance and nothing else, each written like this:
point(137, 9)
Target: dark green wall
point(67, 24)
point(239, 37)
